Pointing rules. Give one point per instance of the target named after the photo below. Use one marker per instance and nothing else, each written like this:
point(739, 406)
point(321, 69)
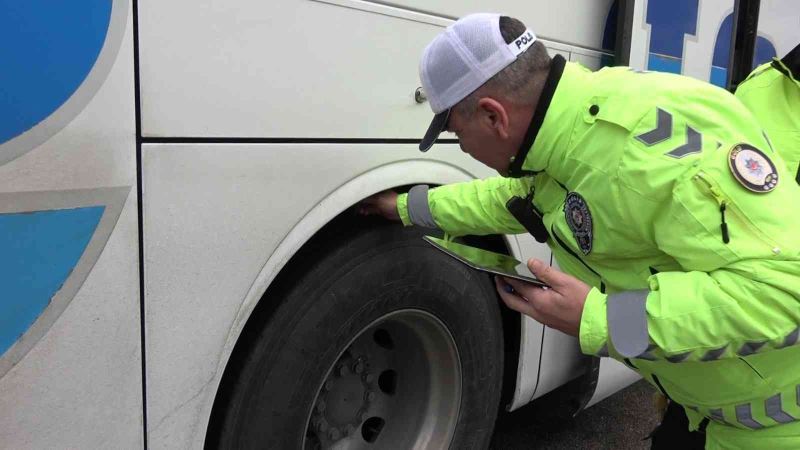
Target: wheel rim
point(398, 383)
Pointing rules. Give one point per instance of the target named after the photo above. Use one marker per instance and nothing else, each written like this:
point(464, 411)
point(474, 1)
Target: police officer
point(663, 203)
point(772, 93)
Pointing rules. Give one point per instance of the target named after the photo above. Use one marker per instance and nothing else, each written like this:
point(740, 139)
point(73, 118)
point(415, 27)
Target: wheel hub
point(397, 385)
point(345, 398)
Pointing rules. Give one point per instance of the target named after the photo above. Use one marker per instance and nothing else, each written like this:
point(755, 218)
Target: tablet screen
point(485, 260)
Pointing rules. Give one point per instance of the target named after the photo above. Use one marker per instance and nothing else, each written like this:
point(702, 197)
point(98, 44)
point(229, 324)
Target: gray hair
point(515, 82)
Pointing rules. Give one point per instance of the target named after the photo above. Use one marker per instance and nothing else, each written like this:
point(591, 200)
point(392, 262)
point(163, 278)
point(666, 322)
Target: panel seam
point(140, 214)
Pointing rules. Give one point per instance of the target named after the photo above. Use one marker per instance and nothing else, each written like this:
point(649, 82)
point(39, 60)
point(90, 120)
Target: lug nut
point(322, 425)
point(369, 378)
point(328, 385)
point(321, 406)
point(334, 434)
point(369, 396)
point(358, 367)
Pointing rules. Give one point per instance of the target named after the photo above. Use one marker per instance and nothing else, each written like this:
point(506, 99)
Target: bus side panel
point(307, 68)
point(71, 377)
point(574, 22)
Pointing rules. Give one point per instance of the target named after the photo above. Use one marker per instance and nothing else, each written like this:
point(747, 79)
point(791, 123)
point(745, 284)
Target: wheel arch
point(330, 216)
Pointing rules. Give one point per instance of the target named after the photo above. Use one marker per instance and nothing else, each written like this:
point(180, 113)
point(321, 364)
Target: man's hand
point(559, 306)
point(383, 203)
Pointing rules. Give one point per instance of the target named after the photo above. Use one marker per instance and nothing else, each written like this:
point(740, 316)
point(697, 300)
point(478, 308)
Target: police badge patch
point(752, 168)
point(579, 220)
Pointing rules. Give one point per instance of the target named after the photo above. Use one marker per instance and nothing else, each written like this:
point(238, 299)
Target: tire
point(383, 343)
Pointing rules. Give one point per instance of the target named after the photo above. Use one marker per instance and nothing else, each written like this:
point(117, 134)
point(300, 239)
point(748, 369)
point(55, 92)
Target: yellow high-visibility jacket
point(662, 193)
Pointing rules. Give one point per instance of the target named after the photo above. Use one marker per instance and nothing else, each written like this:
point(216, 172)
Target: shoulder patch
point(752, 168)
point(579, 219)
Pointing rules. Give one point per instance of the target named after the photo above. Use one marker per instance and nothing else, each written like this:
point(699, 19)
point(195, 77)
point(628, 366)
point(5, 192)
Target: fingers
point(371, 205)
point(559, 307)
point(543, 300)
point(368, 206)
point(367, 210)
point(514, 301)
point(523, 287)
point(383, 203)
point(549, 275)
point(511, 300)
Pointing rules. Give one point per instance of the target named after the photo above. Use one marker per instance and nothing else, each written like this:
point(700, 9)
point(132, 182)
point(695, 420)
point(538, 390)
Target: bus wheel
point(381, 342)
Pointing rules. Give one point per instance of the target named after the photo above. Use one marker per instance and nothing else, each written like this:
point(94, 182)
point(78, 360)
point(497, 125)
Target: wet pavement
point(621, 421)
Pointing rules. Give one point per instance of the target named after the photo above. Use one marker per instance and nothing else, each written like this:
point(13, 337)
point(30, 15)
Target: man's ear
point(494, 115)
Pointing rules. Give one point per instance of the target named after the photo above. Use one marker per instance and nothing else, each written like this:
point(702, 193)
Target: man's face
point(479, 139)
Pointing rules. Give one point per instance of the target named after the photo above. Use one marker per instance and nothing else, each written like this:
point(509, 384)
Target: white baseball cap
point(461, 59)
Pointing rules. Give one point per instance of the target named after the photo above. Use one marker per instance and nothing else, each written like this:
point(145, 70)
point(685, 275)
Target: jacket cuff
point(593, 332)
point(418, 208)
point(402, 209)
point(626, 313)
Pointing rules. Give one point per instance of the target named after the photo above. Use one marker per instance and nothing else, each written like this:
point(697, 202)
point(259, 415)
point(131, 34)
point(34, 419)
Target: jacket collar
point(515, 169)
point(789, 65)
point(549, 131)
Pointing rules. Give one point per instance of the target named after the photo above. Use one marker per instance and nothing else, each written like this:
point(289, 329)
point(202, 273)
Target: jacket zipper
point(715, 192)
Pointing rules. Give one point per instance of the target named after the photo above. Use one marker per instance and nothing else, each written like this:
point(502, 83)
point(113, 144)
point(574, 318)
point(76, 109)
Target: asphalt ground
point(619, 422)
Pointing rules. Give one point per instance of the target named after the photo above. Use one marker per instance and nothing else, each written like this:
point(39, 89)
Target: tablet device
point(485, 261)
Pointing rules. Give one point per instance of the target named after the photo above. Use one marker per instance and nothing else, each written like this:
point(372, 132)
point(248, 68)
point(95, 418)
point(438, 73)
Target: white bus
point(181, 264)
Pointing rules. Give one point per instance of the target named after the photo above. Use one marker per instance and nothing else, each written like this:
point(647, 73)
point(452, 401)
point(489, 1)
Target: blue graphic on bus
point(669, 22)
point(764, 52)
point(38, 252)
point(48, 48)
